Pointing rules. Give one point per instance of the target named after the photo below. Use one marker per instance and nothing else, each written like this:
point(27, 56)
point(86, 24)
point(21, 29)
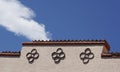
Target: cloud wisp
point(17, 18)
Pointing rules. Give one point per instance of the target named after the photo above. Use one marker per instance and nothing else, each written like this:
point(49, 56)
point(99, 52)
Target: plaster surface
point(71, 63)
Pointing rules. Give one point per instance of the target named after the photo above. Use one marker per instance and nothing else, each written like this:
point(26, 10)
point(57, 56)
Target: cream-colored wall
point(71, 63)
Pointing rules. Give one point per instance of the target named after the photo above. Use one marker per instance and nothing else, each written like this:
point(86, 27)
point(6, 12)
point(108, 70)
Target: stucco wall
point(71, 63)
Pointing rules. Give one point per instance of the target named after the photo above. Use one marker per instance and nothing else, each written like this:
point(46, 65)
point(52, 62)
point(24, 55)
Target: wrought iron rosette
point(31, 56)
point(58, 56)
point(86, 56)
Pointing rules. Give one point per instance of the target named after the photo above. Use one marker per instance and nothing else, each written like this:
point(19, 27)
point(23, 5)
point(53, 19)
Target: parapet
point(61, 56)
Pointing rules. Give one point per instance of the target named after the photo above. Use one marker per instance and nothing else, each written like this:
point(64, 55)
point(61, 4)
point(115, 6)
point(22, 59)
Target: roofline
point(10, 54)
point(66, 42)
point(69, 42)
point(110, 55)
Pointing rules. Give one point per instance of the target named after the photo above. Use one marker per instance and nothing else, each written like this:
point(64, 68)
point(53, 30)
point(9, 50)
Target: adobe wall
point(71, 63)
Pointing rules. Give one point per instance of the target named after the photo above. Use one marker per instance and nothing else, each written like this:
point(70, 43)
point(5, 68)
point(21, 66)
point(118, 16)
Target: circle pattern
point(86, 56)
point(58, 55)
point(31, 56)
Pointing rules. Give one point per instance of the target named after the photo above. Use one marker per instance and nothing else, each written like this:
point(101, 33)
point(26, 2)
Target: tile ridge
point(10, 54)
point(67, 40)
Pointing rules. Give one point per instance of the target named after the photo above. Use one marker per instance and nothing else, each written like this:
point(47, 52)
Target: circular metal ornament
point(54, 55)
point(31, 56)
point(82, 55)
point(57, 60)
point(36, 56)
point(85, 60)
point(91, 56)
point(87, 51)
point(31, 60)
point(86, 56)
point(28, 55)
point(58, 55)
point(62, 55)
point(59, 50)
point(33, 51)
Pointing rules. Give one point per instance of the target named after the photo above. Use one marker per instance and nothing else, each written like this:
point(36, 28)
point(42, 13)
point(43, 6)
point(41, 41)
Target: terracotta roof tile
point(68, 42)
point(9, 54)
point(111, 55)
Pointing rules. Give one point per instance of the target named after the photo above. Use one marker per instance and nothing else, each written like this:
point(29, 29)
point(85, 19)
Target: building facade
point(61, 56)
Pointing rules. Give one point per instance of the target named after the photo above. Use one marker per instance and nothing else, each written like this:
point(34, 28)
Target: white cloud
point(17, 18)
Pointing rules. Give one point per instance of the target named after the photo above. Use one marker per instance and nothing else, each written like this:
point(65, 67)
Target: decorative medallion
point(31, 56)
point(86, 56)
point(58, 56)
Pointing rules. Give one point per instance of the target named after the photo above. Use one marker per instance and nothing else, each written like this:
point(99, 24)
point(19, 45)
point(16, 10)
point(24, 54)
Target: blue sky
point(71, 19)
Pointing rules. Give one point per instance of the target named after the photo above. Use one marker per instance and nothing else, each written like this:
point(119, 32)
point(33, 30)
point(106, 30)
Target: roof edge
point(68, 42)
point(111, 55)
point(10, 54)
